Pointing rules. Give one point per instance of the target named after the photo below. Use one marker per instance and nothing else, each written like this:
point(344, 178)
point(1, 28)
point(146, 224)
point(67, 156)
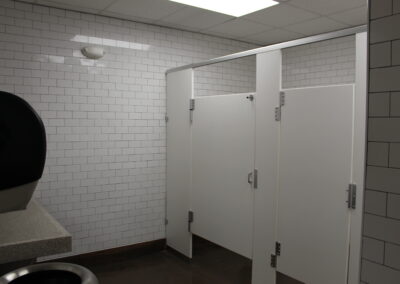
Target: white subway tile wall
point(230, 77)
point(329, 62)
point(381, 243)
point(105, 170)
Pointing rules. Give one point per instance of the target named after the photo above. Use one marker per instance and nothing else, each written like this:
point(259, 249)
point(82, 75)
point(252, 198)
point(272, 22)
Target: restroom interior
point(106, 179)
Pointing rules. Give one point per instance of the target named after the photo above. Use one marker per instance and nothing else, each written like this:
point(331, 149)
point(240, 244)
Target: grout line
point(384, 217)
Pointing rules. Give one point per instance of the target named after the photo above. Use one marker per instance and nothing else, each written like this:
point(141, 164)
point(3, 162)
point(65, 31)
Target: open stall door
point(223, 130)
point(179, 92)
point(315, 170)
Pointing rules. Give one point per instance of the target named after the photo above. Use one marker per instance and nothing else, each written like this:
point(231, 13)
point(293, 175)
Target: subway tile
point(393, 206)
point(380, 8)
point(373, 250)
point(392, 256)
point(396, 6)
point(382, 29)
point(383, 179)
point(384, 79)
point(378, 104)
point(373, 273)
point(394, 157)
point(395, 104)
point(380, 54)
point(330, 62)
point(375, 202)
point(395, 52)
point(378, 154)
point(384, 129)
point(382, 228)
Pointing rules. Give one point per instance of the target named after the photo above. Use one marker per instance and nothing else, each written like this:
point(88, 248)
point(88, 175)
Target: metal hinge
point(192, 106)
point(277, 248)
point(281, 98)
point(278, 114)
point(190, 220)
point(278, 110)
point(166, 118)
point(352, 196)
point(166, 221)
point(273, 260)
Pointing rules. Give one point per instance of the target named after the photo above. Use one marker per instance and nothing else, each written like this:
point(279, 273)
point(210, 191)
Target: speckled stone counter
point(31, 233)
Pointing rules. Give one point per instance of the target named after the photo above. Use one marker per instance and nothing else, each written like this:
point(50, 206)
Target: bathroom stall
point(274, 174)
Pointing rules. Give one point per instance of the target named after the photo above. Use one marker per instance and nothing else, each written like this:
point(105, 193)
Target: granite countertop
point(31, 233)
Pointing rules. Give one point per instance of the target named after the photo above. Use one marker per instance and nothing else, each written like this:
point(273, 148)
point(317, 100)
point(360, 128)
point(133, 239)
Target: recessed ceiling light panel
point(234, 8)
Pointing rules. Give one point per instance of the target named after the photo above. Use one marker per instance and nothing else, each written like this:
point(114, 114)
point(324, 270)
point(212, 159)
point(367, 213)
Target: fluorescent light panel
point(234, 8)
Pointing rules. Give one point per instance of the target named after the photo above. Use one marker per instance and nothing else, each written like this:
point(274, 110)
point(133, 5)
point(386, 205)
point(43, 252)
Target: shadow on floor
point(211, 264)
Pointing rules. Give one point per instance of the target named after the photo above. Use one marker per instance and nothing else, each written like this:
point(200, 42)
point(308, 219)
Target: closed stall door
point(223, 156)
point(315, 162)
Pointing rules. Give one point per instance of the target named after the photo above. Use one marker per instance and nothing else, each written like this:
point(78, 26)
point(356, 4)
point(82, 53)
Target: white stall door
point(223, 155)
point(314, 173)
point(179, 92)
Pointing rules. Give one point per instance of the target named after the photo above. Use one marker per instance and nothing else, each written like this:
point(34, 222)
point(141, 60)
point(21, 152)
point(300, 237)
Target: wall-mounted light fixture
point(93, 52)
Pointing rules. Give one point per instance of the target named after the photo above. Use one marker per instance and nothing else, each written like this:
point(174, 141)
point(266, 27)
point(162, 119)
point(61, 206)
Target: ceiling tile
point(280, 15)
point(147, 9)
point(96, 5)
point(288, 20)
point(316, 26)
point(273, 36)
point(327, 7)
point(352, 17)
point(237, 28)
point(195, 19)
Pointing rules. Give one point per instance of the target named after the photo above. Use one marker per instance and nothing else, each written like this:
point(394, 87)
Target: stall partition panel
point(179, 93)
point(223, 130)
point(315, 163)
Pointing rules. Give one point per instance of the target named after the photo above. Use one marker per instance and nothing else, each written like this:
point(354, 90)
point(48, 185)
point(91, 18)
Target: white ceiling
point(289, 20)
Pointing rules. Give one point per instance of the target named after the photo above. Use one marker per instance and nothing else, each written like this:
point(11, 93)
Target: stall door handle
point(250, 178)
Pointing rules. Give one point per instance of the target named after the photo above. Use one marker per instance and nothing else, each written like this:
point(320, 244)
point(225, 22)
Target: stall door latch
point(252, 178)
point(352, 196)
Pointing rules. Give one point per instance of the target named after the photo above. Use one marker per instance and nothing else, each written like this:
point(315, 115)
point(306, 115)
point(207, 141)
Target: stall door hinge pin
point(190, 220)
point(278, 114)
point(278, 110)
point(277, 248)
point(192, 106)
point(351, 196)
point(273, 260)
point(282, 99)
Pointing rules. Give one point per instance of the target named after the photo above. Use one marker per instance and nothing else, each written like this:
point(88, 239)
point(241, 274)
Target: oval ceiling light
point(93, 52)
point(235, 8)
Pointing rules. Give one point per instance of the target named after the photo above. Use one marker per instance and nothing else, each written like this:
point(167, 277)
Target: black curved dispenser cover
point(22, 142)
